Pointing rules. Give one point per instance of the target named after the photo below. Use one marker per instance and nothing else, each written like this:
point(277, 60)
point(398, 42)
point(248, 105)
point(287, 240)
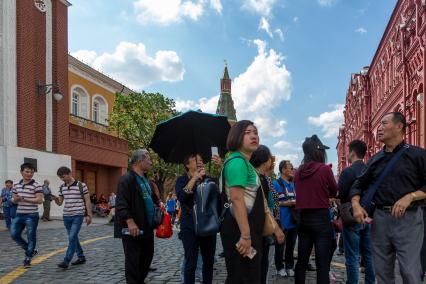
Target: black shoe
point(63, 265)
point(79, 261)
point(27, 262)
point(152, 269)
point(222, 254)
point(35, 252)
point(310, 267)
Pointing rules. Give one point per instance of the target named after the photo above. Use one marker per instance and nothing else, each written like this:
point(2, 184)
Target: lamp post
point(46, 89)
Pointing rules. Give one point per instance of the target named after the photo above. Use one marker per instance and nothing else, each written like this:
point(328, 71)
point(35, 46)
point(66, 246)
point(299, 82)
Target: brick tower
point(225, 105)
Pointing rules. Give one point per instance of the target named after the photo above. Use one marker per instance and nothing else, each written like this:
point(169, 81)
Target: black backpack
point(207, 206)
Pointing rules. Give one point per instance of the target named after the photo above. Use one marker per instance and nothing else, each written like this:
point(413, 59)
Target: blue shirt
point(6, 196)
point(171, 205)
point(285, 194)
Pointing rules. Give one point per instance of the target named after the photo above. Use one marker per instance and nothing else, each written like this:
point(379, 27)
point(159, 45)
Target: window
point(99, 110)
point(79, 102)
point(96, 112)
point(75, 104)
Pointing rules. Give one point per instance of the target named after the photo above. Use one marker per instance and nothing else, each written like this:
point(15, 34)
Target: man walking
point(134, 214)
point(356, 237)
point(287, 199)
point(397, 230)
point(27, 193)
point(77, 207)
point(9, 208)
point(47, 199)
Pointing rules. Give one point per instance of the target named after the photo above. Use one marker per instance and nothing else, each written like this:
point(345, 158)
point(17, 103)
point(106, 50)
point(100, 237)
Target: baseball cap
point(313, 143)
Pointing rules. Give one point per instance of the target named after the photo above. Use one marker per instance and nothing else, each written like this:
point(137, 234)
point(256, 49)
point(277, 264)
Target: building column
point(8, 124)
point(49, 77)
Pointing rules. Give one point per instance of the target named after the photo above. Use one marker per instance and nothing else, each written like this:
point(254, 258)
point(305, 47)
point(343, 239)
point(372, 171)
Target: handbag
point(206, 208)
point(270, 224)
point(338, 225)
point(158, 216)
point(165, 230)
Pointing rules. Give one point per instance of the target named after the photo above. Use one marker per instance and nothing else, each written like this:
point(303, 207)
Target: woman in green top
point(242, 227)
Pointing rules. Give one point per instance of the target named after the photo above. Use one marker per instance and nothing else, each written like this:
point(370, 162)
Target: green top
point(240, 173)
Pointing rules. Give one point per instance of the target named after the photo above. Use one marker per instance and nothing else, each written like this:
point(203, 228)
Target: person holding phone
point(243, 222)
point(192, 244)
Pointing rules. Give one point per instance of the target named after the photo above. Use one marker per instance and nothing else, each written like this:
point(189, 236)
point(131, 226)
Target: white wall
point(11, 159)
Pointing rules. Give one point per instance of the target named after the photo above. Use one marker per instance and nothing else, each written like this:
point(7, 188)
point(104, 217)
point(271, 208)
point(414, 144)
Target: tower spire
point(226, 104)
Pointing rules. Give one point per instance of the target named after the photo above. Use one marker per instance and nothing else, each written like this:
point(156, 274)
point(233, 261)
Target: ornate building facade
point(394, 81)
point(54, 108)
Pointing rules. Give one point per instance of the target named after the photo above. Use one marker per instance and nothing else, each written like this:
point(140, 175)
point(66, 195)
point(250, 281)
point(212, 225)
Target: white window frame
point(102, 110)
point(84, 98)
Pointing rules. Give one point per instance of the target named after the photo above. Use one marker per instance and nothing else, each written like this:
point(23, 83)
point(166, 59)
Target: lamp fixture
point(54, 88)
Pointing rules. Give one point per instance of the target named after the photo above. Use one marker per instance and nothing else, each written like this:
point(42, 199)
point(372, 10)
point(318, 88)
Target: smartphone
point(368, 220)
point(251, 253)
point(215, 151)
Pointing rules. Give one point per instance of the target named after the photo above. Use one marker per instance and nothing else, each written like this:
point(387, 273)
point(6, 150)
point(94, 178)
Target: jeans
point(357, 242)
point(9, 214)
point(289, 244)
point(73, 226)
point(314, 230)
point(18, 224)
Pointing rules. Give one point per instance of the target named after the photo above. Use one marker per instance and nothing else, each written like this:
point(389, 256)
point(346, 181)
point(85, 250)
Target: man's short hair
point(9, 181)
point(236, 134)
point(359, 147)
point(398, 117)
point(28, 166)
point(138, 155)
point(63, 171)
point(283, 164)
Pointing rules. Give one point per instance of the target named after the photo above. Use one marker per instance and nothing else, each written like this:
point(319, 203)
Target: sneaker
point(63, 265)
point(282, 273)
point(27, 262)
point(79, 261)
point(35, 252)
point(290, 272)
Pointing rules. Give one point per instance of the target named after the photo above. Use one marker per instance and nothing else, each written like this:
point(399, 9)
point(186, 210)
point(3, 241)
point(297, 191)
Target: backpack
point(81, 188)
point(207, 208)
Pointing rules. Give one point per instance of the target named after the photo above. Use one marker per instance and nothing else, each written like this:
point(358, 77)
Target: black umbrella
point(192, 132)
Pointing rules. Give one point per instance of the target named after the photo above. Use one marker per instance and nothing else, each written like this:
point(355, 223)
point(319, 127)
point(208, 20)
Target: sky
point(290, 60)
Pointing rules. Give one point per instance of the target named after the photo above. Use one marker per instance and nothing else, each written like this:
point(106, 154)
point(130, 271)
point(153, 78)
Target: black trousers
point(138, 256)
point(289, 244)
point(314, 230)
point(265, 261)
point(191, 244)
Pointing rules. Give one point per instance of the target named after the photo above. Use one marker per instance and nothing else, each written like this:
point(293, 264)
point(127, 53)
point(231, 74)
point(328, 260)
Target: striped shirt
point(74, 202)
point(27, 190)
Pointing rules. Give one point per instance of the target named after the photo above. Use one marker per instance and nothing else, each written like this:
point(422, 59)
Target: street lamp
point(45, 89)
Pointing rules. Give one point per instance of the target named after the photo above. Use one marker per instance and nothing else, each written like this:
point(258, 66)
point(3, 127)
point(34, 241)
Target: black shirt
point(347, 178)
point(407, 175)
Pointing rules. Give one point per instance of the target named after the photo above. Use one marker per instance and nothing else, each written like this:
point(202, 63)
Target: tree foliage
point(134, 118)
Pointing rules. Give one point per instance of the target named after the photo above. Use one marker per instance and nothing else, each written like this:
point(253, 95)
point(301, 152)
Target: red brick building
point(394, 81)
point(35, 123)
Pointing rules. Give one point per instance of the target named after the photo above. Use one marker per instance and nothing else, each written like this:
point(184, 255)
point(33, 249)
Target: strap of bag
point(223, 191)
point(280, 182)
point(81, 188)
point(371, 191)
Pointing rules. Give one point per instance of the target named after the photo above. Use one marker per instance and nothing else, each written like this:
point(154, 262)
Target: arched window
point(99, 109)
point(79, 102)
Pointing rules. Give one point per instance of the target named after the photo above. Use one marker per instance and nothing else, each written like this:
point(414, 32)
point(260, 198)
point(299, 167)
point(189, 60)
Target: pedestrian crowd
point(375, 208)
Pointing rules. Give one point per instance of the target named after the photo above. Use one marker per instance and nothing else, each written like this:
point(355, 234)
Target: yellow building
point(99, 157)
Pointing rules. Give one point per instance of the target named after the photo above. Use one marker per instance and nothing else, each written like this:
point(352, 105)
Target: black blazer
point(130, 204)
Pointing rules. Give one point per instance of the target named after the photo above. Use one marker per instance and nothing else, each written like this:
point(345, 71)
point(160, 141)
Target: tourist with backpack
point(77, 207)
point(186, 191)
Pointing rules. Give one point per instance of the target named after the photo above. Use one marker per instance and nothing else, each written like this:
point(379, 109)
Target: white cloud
point(208, 105)
point(262, 87)
point(170, 11)
point(295, 19)
point(131, 65)
point(285, 145)
point(326, 3)
point(264, 25)
point(361, 30)
point(216, 5)
point(262, 7)
point(329, 121)
point(87, 56)
point(280, 34)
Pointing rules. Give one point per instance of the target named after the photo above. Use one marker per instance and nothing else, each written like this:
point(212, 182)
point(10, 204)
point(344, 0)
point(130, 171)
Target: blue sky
point(290, 60)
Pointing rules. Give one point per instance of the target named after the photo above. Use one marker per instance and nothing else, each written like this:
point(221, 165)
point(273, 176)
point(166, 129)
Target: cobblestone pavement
point(105, 261)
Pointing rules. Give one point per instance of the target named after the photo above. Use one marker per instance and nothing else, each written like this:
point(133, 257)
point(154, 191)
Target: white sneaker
point(290, 272)
point(282, 273)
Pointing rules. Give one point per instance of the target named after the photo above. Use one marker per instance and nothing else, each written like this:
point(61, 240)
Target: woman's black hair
point(260, 156)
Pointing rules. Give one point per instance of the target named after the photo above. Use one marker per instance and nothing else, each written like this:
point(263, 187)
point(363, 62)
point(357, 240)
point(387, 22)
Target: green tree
point(134, 118)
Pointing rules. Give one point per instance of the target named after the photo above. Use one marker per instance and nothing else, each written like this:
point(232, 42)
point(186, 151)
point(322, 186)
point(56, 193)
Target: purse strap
point(371, 191)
